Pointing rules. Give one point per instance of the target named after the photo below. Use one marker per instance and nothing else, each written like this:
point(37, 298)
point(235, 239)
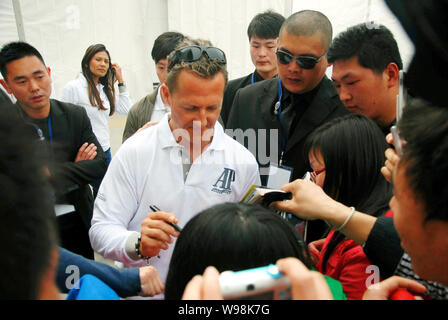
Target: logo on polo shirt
point(224, 182)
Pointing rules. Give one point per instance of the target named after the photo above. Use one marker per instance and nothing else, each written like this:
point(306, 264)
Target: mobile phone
point(263, 283)
point(401, 104)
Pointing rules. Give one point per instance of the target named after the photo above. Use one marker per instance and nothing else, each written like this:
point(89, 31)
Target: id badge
point(278, 176)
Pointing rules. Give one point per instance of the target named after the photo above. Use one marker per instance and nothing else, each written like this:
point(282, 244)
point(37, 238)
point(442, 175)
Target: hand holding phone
point(264, 283)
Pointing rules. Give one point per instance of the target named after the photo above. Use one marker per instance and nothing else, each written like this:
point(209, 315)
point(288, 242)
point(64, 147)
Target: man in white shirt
point(182, 165)
point(151, 108)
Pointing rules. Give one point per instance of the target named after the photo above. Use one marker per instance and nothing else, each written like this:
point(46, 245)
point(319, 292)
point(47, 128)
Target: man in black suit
point(263, 33)
point(74, 155)
point(277, 115)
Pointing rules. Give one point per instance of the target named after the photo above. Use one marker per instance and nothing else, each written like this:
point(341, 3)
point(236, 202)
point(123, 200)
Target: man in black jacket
point(277, 115)
point(263, 33)
point(74, 155)
point(291, 107)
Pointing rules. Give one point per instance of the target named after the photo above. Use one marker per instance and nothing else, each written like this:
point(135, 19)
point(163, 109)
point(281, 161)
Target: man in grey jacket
point(152, 107)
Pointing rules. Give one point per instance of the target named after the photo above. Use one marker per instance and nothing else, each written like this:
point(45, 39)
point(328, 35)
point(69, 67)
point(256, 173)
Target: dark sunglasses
point(194, 53)
point(304, 62)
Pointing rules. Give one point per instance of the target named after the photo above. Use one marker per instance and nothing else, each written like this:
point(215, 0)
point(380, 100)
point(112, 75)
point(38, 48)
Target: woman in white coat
point(94, 90)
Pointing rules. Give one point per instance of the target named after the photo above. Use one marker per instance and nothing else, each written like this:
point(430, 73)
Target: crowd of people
point(166, 208)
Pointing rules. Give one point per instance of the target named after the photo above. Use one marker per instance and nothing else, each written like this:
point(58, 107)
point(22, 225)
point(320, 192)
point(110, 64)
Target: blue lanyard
point(50, 132)
point(278, 111)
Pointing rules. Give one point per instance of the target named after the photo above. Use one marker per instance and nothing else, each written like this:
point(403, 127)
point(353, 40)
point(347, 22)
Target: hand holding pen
point(175, 226)
point(157, 231)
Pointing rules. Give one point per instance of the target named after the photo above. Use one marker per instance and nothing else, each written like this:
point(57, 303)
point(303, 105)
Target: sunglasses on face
point(304, 62)
point(194, 53)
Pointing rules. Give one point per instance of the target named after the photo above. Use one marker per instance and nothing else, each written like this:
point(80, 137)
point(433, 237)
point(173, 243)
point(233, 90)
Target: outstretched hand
point(308, 200)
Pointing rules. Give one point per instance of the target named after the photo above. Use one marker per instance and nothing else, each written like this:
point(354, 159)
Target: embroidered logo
point(224, 182)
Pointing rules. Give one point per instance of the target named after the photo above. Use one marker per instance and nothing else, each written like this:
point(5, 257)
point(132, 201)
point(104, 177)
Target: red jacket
point(347, 264)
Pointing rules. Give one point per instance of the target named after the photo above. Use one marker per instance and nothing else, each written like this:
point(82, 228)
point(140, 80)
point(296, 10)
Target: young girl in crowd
point(346, 155)
point(94, 90)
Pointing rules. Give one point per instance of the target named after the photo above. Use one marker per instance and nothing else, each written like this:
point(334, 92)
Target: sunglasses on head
point(194, 53)
point(304, 62)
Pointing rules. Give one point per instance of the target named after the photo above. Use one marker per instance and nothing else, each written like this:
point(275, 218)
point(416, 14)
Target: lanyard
point(278, 112)
point(50, 132)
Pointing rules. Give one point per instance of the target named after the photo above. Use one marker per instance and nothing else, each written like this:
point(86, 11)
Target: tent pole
point(288, 8)
point(19, 19)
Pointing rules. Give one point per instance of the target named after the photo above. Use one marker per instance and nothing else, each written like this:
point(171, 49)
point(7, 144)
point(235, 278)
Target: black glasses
point(304, 62)
point(194, 53)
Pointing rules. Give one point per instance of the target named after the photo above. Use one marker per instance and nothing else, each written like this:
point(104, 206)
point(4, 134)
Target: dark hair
point(231, 236)
point(374, 46)
point(265, 25)
point(27, 228)
point(14, 51)
point(353, 149)
point(165, 44)
point(107, 81)
point(424, 127)
point(308, 23)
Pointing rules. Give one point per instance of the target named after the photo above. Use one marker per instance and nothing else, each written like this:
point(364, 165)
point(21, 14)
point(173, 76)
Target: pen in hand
point(175, 226)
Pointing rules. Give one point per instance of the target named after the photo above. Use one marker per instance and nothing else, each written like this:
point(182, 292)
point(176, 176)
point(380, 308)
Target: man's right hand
point(308, 200)
point(86, 152)
point(305, 284)
point(156, 233)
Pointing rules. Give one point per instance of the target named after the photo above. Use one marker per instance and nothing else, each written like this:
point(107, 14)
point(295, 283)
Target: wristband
point(137, 248)
point(346, 220)
point(121, 84)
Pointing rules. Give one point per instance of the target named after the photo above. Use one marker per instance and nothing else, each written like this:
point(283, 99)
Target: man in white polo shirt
point(182, 165)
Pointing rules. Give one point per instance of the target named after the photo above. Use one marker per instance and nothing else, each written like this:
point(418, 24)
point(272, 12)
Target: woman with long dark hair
point(346, 155)
point(94, 90)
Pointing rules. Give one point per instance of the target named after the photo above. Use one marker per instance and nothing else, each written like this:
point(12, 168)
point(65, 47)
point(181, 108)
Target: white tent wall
point(344, 14)
point(224, 23)
point(62, 30)
point(8, 29)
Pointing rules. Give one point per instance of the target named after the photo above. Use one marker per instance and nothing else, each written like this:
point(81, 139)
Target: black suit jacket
point(71, 129)
point(253, 108)
point(232, 87)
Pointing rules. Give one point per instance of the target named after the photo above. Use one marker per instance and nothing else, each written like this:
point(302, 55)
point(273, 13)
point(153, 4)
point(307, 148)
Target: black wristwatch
point(121, 84)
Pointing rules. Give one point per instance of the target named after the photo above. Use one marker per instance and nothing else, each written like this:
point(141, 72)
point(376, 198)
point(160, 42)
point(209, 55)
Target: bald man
point(308, 98)
point(277, 115)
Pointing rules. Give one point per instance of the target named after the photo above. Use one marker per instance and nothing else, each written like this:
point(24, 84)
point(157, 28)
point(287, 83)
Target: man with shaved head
point(284, 111)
